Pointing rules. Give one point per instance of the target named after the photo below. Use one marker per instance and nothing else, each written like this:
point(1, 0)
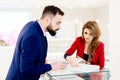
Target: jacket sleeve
point(101, 56)
point(29, 53)
point(72, 48)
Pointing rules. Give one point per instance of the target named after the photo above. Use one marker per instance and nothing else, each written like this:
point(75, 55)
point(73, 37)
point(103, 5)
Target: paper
point(82, 68)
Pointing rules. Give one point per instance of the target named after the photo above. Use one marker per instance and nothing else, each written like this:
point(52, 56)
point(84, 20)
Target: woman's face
point(87, 35)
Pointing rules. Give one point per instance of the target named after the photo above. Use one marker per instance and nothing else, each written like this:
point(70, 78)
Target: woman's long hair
point(95, 32)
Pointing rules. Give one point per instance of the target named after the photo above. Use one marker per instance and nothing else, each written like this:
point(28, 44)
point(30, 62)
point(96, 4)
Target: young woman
point(88, 46)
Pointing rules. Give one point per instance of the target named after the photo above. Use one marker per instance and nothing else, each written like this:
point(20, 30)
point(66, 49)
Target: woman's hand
point(81, 60)
point(72, 61)
point(58, 65)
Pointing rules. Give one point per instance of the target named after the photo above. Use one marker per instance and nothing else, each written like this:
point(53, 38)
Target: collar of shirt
point(42, 29)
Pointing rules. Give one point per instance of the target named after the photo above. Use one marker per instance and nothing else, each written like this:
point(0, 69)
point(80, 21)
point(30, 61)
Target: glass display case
point(93, 75)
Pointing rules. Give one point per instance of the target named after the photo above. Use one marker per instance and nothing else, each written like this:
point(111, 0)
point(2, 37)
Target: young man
point(31, 48)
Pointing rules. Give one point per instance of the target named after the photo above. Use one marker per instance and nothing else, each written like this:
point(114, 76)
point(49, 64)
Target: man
point(31, 48)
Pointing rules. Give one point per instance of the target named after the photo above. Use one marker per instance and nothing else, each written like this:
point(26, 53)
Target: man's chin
point(52, 33)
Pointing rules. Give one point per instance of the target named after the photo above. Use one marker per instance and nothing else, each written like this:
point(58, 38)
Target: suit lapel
point(43, 38)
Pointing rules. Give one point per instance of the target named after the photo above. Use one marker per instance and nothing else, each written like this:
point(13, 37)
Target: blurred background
point(14, 14)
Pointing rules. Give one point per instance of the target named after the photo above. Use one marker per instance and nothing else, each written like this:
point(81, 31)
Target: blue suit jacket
point(30, 53)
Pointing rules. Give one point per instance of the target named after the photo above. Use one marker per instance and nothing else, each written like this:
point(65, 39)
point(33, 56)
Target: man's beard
point(51, 31)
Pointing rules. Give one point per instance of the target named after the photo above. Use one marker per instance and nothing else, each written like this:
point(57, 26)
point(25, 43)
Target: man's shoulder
point(31, 22)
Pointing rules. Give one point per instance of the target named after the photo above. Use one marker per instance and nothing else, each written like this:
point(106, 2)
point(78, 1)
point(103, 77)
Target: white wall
point(6, 54)
point(103, 19)
point(114, 32)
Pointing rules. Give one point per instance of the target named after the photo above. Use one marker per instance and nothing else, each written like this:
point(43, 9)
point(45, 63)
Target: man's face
point(54, 24)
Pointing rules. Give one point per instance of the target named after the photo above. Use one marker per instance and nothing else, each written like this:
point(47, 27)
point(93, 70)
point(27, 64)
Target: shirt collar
point(42, 29)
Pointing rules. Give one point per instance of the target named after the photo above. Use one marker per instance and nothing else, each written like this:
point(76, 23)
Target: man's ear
point(47, 20)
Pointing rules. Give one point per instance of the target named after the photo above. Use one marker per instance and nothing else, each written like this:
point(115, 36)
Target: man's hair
point(52, 10)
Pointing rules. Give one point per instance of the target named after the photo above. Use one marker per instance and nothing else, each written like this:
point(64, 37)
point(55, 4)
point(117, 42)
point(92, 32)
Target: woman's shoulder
point(80, 39)
point(101, 43)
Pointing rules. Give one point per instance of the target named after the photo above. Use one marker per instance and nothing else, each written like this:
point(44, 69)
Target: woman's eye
point(85, 32)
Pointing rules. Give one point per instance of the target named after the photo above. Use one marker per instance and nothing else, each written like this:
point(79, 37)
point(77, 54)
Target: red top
point(79, 45)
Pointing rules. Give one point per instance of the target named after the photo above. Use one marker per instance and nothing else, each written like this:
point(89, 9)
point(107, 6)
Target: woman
point(88, 46)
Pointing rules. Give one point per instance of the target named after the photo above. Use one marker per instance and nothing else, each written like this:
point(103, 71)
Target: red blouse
point(79, 45)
